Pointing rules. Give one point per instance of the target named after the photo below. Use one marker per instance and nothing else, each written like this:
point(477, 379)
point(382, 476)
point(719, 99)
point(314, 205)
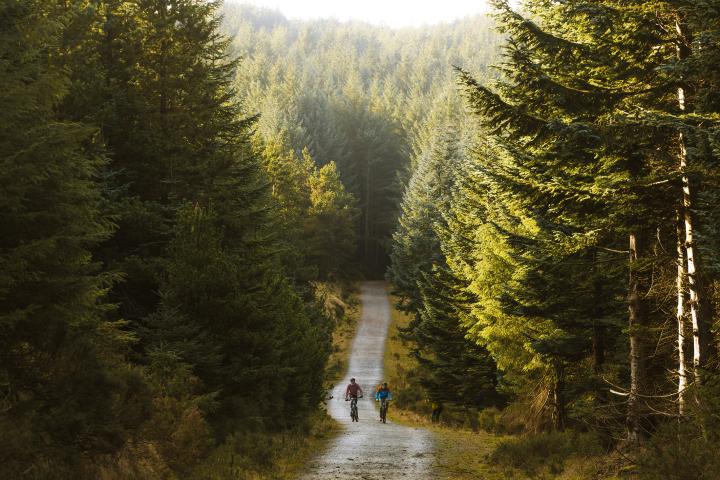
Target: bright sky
point(394, 13)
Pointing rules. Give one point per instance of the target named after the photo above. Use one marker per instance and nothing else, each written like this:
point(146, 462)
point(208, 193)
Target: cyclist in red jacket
point(352, 390)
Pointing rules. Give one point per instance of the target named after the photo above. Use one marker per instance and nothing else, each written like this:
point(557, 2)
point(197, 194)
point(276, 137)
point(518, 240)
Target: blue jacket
point(383, 393)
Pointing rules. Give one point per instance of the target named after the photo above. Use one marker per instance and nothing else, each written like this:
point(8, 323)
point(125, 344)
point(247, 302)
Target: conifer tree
point(167, 114)
point(331, 225)
point(566, 179)
point(289, 178)
point(204, 278)
point(259, 347)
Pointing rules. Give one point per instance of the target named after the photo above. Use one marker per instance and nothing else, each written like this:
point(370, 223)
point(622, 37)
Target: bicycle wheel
point(354, 411)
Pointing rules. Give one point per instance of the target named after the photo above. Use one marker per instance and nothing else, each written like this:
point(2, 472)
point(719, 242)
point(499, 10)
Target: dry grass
point(400, 368)
point(267, 456)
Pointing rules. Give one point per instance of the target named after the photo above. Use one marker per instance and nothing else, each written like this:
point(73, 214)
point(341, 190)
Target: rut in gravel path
point(369, 449)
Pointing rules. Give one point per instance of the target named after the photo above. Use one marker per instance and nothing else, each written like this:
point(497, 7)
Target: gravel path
point(368, 449)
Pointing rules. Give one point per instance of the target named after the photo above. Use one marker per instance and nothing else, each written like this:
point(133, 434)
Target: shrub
point(489, 419)
point(680, 452)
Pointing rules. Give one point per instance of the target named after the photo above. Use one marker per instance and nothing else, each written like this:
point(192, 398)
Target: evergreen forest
point(190, 190)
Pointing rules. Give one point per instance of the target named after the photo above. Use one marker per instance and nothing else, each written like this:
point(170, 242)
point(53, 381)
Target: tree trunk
point(701, 331)
point(558, 397)
point(367, 255)
point(598, 336)
point(636, 331)
point(680, 315)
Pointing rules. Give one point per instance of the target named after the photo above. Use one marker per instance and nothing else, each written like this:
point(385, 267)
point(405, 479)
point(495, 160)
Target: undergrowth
point(545, 452)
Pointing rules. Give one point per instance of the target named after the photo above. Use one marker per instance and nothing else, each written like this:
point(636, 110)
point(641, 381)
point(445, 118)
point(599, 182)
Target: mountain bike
point(384, 403)
point(353, 408)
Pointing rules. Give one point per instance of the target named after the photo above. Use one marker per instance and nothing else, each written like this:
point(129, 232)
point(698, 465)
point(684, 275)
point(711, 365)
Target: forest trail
point(368, 449)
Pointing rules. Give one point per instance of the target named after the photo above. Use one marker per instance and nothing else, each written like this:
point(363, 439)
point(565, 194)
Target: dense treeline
point(154, 296)
point(573, 234)
point(359, 95)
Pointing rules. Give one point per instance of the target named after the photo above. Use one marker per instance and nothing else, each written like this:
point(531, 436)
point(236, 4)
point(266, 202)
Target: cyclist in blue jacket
point(382, 395)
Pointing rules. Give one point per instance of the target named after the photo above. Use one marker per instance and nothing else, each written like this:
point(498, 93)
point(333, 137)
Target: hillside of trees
point(570, 237)
point(365, 97)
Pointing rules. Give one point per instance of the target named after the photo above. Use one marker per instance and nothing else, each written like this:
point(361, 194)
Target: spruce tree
point(204, 277)
point(564, 183)
point(331, 225)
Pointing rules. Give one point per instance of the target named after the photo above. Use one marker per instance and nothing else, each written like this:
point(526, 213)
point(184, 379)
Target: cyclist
point(382, 395)
point(352, 391)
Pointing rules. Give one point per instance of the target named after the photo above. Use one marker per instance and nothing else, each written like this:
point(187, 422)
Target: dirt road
point(371, 450)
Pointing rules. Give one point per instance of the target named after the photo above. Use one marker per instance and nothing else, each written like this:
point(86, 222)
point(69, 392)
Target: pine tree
point(254, 352)
point(289, 178)
point(416, 246)
point(205, 280)
point(592, 117)
point(565, 183)
point(167, 114)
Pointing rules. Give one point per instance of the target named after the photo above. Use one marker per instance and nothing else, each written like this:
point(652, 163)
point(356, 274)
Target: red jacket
point(352, 390)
